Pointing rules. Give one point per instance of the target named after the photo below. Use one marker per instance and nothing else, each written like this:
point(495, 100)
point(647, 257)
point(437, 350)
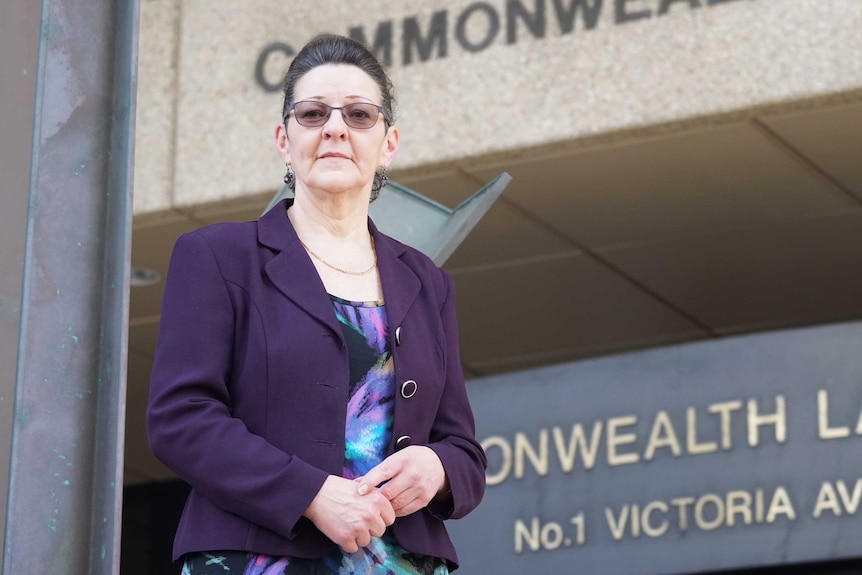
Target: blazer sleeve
point(453, 433)
point(189, 421)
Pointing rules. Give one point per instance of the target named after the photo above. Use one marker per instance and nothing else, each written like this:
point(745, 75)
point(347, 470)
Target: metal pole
point(19, 53)
point(65, 486)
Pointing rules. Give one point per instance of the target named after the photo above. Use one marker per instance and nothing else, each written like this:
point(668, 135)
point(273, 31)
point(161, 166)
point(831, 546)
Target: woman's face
point(335, 158)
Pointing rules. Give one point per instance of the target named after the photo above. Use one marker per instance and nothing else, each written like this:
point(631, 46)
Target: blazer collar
point(293, 273)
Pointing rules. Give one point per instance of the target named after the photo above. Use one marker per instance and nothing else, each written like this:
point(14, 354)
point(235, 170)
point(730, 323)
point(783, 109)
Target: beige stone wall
point(205, 125)
point(156, 106)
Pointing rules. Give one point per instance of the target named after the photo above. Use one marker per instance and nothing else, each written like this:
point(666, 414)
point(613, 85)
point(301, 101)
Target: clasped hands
point(351, 512)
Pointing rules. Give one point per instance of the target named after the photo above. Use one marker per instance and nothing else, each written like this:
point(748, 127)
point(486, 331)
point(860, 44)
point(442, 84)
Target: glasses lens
point(311, 114)
point(360, 115)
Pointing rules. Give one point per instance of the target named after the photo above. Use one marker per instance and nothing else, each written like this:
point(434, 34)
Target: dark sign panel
point(700, 457)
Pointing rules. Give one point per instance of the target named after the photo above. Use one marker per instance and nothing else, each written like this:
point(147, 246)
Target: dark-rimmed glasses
point(313, 114)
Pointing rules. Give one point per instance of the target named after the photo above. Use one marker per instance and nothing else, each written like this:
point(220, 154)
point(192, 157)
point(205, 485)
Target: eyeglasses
point(313, 114)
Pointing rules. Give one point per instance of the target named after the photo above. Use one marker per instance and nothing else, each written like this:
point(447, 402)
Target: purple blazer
point(249, 388)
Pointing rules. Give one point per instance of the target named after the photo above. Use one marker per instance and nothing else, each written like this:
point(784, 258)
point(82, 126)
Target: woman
point(307, 381)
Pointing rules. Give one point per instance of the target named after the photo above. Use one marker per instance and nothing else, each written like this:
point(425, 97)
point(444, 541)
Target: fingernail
point(363, 489)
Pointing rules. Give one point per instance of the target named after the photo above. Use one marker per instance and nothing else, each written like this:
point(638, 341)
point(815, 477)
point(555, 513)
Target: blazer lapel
point(400, 284)
point(291, 270)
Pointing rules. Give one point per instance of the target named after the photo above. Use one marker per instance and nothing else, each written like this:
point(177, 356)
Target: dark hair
point(333, 49)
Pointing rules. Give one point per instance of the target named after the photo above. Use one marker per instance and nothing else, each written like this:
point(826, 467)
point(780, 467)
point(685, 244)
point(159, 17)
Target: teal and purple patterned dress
point(370, 410)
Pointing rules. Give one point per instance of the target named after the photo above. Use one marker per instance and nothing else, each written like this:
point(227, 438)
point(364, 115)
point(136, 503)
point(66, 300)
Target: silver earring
point(380, 181)
point(290, 178)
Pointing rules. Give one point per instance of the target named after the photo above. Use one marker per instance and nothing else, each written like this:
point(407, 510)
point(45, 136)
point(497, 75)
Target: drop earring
point(380, 181)
point(290, 178)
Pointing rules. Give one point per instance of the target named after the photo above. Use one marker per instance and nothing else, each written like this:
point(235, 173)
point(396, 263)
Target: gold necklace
point(338, 269)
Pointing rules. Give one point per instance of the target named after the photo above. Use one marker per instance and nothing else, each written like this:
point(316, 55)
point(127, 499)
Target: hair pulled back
point(334, 49)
